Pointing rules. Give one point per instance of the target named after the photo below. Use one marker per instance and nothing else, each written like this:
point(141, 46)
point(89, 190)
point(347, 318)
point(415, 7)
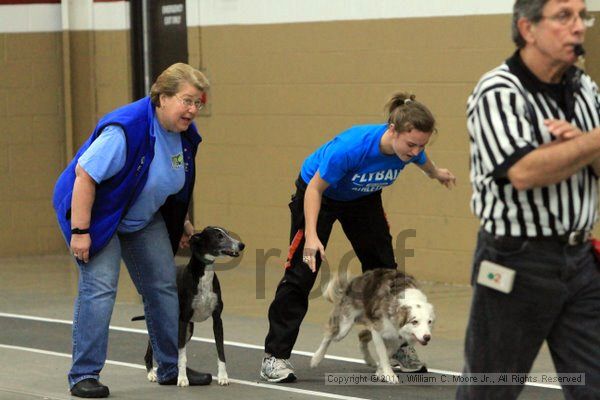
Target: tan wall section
point(32, 123)
point(100, 76)
point(280, 91)
point(592, 47)
point(112, 67)
point(31, 141)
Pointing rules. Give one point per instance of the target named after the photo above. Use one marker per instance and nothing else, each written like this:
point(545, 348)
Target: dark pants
point(556, 297)
point(365, 225)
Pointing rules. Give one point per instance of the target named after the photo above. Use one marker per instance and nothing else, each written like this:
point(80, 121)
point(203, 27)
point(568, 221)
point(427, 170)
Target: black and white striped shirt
point(505, 115)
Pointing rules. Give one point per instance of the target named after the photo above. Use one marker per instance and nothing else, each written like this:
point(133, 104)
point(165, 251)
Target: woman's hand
point(80, 246)
point(188, 231)
point(312, 206)
point(445, 177)
point(309, 254)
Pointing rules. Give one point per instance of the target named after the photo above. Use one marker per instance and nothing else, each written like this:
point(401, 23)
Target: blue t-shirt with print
point(166, 174)
point(353, 164)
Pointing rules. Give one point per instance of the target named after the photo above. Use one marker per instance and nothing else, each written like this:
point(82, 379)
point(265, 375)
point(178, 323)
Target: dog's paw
point(387, 376)
point(223, 379)
point(182, 381)
point(316, 360)
point(370, 362)
point(152, 375)
point(393, 378)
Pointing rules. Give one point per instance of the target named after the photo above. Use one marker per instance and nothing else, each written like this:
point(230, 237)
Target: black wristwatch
point(77, 231)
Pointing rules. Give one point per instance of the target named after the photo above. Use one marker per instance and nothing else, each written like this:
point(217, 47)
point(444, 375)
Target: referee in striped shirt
point(534, 126)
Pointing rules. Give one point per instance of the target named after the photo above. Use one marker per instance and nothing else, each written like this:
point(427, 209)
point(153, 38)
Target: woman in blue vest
point(342, 181)
point(125, 195)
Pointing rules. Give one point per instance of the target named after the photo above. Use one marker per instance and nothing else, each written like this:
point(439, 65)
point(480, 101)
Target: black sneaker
point(194, 378)
point(90, 388)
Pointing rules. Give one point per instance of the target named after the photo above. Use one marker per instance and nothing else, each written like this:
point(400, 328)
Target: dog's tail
point(335, 288)
point(138, 318)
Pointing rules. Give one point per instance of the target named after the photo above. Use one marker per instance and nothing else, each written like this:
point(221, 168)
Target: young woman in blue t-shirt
point(342, 181)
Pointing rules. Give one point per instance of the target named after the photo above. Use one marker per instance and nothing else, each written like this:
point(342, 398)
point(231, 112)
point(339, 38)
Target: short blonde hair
point(169, 81)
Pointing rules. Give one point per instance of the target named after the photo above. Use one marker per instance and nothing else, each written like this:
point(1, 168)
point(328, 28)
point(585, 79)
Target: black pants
point(555, 297)
point(364, 224)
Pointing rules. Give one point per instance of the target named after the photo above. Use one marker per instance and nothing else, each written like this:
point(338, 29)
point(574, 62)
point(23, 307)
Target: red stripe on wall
point(13, 2)
point(6, 2)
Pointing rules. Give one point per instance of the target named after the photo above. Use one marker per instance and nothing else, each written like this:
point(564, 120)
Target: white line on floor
point(246, 346)
point(238, 381)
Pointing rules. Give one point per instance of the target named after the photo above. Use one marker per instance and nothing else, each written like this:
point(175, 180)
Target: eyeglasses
point(568, 18)
point(188, 102)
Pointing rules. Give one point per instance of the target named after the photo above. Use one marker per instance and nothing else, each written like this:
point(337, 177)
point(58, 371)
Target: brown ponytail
point(406, 113)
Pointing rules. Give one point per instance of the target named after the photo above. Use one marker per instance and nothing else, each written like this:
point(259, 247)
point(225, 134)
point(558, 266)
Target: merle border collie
point(389, 304)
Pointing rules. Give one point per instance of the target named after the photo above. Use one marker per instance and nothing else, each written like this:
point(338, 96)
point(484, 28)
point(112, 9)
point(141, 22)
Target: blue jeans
point(555, 298)
point(149, 259)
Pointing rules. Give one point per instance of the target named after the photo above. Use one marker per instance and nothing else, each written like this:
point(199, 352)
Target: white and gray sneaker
point(407, 360)
point(277, 370)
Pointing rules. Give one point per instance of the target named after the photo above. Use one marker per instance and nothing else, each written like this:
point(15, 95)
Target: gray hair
point(528, 9)
point(169, 81)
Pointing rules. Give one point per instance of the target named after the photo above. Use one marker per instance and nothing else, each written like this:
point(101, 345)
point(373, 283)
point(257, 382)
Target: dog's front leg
point(222, 377)
point(392, 345)
point(384, 371)
point(182, 379)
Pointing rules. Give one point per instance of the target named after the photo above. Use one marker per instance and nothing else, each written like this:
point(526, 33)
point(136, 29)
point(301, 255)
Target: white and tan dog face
point(419, 319)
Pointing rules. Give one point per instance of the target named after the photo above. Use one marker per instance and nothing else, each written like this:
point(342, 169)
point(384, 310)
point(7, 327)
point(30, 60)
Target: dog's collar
point(206, 259)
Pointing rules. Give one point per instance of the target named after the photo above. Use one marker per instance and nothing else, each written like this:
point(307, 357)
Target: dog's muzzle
point(235, 250)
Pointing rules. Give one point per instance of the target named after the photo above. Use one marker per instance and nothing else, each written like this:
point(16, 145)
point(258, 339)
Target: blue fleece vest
point(116, 194)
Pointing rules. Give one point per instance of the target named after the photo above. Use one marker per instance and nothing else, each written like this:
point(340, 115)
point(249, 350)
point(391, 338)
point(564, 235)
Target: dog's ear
point(196, 239)
point(405, 313)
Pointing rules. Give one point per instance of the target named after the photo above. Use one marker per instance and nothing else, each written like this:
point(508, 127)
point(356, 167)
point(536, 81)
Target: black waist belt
point(572, 238)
